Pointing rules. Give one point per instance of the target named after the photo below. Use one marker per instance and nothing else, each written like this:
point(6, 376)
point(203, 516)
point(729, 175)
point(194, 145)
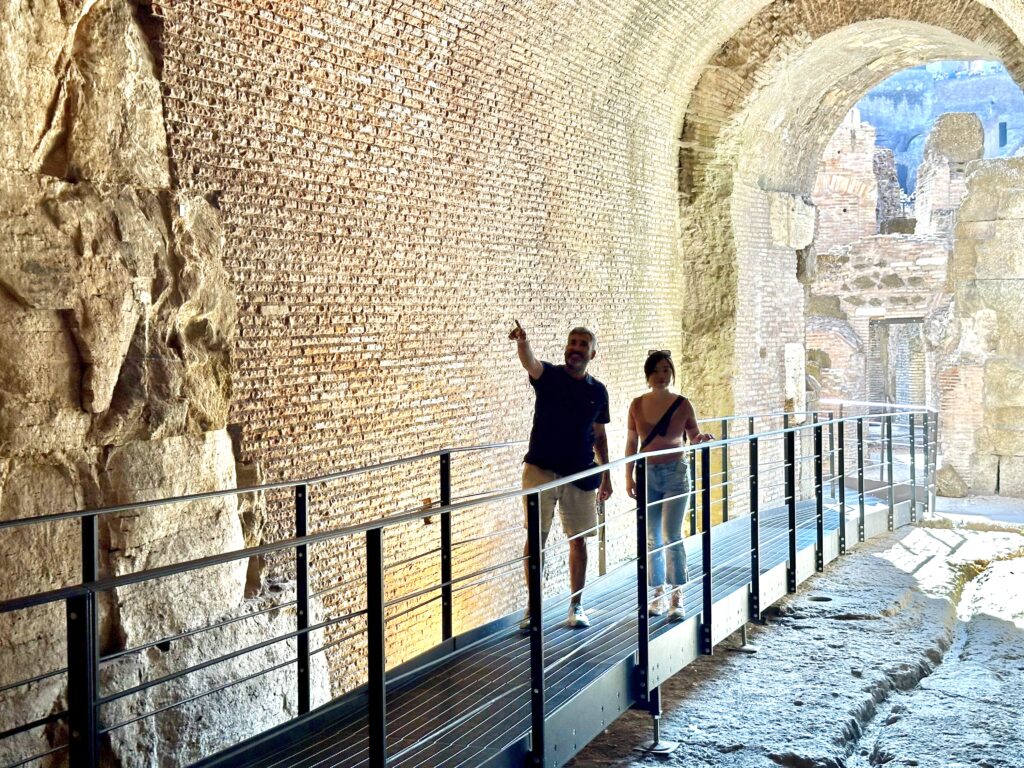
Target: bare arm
point(530, 362)
point(632, 444)
point(693, 433)
point(601, 452)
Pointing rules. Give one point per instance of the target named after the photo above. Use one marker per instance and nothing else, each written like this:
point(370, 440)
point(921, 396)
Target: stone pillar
point(956, 139)
point(982, 375)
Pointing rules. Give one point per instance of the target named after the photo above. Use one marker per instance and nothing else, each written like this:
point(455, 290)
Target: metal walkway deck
point(472, 706)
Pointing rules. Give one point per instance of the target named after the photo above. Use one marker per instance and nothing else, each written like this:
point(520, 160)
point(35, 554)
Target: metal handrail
point(322, 479)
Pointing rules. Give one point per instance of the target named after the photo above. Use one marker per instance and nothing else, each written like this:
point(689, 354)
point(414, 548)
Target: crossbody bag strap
point(662, 426)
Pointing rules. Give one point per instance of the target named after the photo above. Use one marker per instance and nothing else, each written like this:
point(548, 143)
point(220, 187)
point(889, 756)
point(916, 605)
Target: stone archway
point(757, 121)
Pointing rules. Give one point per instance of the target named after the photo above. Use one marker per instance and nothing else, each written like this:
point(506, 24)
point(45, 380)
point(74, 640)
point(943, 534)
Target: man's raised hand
point(517, 333)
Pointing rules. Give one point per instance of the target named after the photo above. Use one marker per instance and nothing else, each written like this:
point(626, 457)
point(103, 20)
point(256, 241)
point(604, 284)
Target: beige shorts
point(576, 507)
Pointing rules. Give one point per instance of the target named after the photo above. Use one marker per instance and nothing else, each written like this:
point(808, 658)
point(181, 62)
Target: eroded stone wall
point(117, 329)
point(982, 367)
point(956, 139)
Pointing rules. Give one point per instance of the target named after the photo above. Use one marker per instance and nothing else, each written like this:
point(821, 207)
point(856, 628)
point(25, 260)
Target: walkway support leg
point(657, 747)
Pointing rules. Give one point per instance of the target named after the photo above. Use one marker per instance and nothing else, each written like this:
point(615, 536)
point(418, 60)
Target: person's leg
point(578, 509)
point(577, 568)
point(532, 477)
point(655, 559)
point(674, 517)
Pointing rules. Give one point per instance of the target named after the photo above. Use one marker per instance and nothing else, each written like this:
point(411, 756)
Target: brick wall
point(399, 181)
point(846, 189)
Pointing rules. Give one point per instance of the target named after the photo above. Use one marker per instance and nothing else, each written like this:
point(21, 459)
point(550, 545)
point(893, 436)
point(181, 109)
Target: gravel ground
point(907, 652)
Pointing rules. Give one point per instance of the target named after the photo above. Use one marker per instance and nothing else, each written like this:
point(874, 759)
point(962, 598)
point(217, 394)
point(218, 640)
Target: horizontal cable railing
point(806, 469)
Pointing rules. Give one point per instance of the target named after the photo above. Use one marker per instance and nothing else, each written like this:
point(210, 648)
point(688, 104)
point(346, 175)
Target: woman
point(660, 419)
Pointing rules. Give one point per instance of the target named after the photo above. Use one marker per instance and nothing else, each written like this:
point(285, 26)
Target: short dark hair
point(579, 330)
point(652, 362)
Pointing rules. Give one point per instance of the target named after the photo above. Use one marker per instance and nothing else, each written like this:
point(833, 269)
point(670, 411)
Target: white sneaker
point(524, 625)
point(577, 618)
point(659, 605)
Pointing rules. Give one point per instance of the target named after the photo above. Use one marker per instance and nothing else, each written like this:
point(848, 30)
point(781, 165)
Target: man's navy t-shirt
point(562, 438)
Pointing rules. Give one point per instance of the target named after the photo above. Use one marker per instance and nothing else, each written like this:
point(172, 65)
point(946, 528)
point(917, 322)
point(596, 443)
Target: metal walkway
point(472, 707)
point(491, 696)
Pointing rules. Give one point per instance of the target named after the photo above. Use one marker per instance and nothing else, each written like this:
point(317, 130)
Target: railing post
point(705, 539)
point(860, 476)
point(790, 461)
point(841, 448)
point(83, 662)
point(931, 459)
point(445, 468)
point(642, 568)
point(693, 493)
point(302, 597)
point(90, 548)
point(725, 471)
point(755, 537)
point(602, 539)
point(819, 500)
point(534, 547)
point(913, 469)
point(376, 713)
point(831, 455)
point(925, 456)
point(889, 468)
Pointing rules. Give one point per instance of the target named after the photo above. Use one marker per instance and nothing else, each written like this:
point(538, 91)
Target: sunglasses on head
point(666, 352)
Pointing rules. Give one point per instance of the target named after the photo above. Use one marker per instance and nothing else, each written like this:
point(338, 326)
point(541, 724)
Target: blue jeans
point(665, 520)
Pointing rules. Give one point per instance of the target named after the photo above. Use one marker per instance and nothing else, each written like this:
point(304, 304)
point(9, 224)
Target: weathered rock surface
point(117, 323)
point(949, 483)
point(956, 136)
point(834, 665)
point(156, 536)
point(984, 342)
point(974, 694)
point(214, 722)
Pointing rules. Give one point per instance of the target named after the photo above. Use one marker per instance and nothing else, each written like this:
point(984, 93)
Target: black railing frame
point(81, 601)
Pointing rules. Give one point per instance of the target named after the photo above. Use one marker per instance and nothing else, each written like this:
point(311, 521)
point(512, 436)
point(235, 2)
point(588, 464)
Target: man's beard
point(576, 362)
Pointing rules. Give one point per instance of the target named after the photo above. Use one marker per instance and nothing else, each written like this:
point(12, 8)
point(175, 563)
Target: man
point(568, 431)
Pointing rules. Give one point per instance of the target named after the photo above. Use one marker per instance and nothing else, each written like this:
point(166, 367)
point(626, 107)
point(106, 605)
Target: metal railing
point(741, 475)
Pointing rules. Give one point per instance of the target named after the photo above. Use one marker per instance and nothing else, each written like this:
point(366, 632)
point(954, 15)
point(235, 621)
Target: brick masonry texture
point(400, 180)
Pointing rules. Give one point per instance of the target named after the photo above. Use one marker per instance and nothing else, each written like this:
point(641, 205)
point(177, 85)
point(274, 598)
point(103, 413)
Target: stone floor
point(907, 652)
